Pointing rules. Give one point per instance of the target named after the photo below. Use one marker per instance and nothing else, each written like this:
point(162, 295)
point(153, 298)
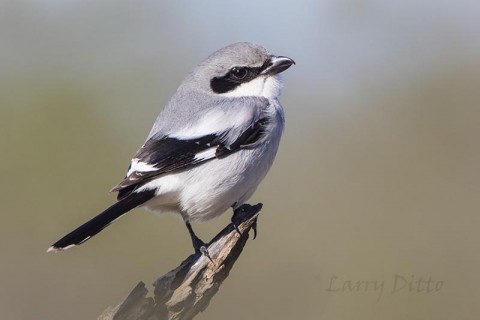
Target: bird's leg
point(198, 245)
point(244, 212)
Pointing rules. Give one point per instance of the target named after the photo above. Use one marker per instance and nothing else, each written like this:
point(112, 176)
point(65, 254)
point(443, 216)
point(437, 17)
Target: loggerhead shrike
point(209, 148)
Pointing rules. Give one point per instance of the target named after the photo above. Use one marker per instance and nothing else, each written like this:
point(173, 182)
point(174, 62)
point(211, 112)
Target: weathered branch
point(186, 290)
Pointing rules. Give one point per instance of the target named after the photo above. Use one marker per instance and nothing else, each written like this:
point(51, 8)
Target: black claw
point(204, 251)
point(239, 215)
point(199, 246)
point(243, 213)
point(254, 227)
point(235, 226)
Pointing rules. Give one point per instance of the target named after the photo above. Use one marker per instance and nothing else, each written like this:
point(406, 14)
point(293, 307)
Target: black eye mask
point(235, 77)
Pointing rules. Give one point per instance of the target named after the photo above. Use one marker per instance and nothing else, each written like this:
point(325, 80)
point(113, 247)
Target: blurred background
point(377, 178)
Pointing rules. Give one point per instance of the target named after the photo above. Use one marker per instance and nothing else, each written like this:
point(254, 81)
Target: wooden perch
point(186, 290)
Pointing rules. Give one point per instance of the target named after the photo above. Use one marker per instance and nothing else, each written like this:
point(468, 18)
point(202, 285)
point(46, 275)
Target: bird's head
point(240, 70)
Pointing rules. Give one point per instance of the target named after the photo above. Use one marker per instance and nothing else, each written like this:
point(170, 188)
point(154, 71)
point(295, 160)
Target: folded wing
point(163, 155)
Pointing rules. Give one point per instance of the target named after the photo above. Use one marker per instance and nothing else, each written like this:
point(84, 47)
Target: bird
point(210, 146)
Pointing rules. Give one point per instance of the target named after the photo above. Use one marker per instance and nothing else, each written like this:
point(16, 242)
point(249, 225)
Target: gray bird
point(209, 148)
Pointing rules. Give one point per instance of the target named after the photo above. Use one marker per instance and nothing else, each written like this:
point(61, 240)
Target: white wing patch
point(206, 154)
point(215, 121)
point(139, 166)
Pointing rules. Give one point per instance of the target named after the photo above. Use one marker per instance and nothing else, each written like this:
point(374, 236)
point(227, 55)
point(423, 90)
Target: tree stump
point(187, 290)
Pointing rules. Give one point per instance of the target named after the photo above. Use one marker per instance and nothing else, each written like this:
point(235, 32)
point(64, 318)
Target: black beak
point(277, 65)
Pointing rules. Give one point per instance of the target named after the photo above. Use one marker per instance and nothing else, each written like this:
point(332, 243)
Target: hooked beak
point(277, 65)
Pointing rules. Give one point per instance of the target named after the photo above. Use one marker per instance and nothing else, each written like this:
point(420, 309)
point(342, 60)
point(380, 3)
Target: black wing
point(245, 140)
point(170, 154)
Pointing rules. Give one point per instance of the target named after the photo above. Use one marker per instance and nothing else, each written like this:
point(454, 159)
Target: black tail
point(97, 224)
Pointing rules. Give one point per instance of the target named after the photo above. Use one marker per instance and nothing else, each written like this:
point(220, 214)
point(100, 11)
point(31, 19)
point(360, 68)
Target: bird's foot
point(243, 213)
point(199, 246)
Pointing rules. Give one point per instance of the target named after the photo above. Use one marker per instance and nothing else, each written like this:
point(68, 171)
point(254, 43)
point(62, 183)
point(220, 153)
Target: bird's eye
point(239, 73)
